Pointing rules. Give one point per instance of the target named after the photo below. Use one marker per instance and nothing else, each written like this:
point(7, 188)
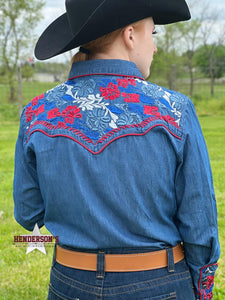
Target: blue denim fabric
point(108, 160)
point(68, 283)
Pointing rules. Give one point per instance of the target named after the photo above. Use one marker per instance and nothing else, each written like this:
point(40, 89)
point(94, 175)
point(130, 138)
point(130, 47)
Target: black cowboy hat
point(87, 20)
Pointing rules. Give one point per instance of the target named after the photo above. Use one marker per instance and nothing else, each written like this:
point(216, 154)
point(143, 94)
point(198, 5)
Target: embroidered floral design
point(39, 110)
point(36, 99)
point(84, 88)
point(82, 110)
point(53, 113)
point(151, 110)
point(111, 92)
point(115, 109)
point(97, 120)
point(70, 113)
point(56, 93)
point(129, 118)
point(170, 120)
point(92, 135)
point(92, 102)
point(139, 110)
point(34, 102)
point(124, 82)
point(206, 282)
point(61, 125)
point(29, 113)
point(131, 97)
point(153, 91)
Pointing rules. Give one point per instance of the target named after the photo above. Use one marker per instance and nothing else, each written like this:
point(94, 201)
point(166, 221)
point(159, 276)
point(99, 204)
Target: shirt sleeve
point(28, 202)
point(196, 207)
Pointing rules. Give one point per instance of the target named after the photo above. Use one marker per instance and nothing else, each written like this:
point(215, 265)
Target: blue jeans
point(172, 282)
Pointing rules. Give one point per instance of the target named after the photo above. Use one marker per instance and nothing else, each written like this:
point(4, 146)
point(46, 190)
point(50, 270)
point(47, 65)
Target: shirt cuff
point(206, 282)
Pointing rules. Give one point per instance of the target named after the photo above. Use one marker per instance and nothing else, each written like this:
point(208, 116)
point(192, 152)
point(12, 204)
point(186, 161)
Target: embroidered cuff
point(206, 282)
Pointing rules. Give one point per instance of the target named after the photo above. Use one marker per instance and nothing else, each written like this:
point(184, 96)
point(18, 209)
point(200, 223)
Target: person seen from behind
point(116, 166)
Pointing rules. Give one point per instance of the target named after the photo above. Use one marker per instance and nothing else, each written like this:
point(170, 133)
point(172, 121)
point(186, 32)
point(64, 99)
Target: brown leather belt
point(117, 262)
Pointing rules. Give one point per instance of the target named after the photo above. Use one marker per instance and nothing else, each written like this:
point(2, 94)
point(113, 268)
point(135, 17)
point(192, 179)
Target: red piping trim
point(121, 136)
point(199, 283)
point(130, 76)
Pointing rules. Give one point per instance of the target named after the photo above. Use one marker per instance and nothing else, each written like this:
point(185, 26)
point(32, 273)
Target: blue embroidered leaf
point(70, 82)
point(49, 105)
point(124, 120)
point(67, 97)
point(57, 93)
point(108, 129)
point(79, 124)
point(153, 90)
point(136, 108)
point(97, 119)
point(147, 99)
point(166, 103)
point(114, 109)
point(42, 117)
point(84, 88)
point(93, 135)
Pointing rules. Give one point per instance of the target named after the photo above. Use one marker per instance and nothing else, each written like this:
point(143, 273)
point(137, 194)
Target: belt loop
point(54, 255)
point(170, 259)
point(100, 265)
point(100, 274)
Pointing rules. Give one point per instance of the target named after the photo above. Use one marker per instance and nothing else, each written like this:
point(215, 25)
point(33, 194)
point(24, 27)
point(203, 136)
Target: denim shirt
point(109, 160)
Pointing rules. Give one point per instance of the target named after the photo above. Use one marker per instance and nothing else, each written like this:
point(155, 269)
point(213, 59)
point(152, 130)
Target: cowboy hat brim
point(62, 35)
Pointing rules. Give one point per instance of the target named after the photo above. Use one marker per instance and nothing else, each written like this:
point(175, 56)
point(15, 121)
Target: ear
point(128, 36)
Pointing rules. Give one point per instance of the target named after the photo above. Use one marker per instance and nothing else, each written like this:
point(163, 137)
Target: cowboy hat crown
point(87, 20)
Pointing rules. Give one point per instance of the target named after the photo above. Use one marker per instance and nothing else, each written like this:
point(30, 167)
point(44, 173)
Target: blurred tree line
point(18, 19)
point(191, 50)
point(188, 50)
point(58, 70)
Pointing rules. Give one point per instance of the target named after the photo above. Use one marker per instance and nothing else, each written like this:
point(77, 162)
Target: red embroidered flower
point(53, 113)
point(170, 120)
point(61, 124)
point(151, 110)
point(29, 113)
point(39, 110)
point(70, 113)
point(210, 281)
point(111, 92)
point(125, 81)
point(132, 81)
point(208, 296)
point(131, 97)
point(35, 100)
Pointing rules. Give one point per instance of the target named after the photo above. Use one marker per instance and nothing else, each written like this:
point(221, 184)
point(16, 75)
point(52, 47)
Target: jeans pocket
point(53, 294)
point(170, 296)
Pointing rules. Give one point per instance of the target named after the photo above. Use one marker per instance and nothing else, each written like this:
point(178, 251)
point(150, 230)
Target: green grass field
point(26, 276)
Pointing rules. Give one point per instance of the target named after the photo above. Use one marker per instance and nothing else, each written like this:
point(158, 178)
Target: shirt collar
point(114, 67)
